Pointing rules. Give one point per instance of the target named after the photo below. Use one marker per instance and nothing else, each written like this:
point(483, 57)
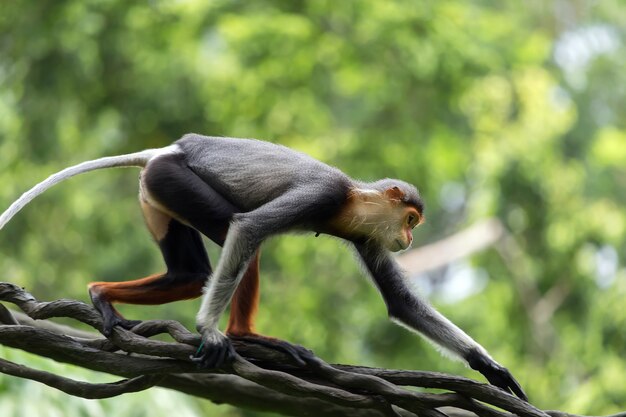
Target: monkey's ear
point(394, 193)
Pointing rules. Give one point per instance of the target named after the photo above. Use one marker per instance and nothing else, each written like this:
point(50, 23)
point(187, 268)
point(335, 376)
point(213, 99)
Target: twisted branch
point(260, 378)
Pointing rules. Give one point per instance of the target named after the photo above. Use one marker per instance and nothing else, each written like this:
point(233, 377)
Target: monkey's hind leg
point(187, 264)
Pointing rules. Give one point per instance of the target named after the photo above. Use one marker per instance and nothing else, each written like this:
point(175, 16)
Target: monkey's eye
point(413, 219)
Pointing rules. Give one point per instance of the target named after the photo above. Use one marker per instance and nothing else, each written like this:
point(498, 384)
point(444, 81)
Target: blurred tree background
point(493, 109)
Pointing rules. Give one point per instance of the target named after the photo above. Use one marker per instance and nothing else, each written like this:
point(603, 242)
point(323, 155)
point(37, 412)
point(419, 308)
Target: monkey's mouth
point(400, 245)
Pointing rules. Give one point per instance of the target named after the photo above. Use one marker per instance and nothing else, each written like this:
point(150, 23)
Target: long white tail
point(138, 159)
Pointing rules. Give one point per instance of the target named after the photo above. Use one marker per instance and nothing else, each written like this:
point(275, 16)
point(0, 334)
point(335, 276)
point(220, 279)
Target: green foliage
point(490, 108)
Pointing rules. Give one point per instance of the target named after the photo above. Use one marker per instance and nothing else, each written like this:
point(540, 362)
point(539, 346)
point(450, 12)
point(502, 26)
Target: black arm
point(408, 309)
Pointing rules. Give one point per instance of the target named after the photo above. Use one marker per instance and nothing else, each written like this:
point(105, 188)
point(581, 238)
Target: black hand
point(496, 374)
point(212, 355)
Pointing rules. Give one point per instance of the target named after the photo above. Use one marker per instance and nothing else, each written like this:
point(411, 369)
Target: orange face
point(379, 216)
point(410, 219)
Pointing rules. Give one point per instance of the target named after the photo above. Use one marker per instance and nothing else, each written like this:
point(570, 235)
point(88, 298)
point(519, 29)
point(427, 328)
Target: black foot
point(110, 316)
point(215, 351)
point(299, 353)
point(109, 322)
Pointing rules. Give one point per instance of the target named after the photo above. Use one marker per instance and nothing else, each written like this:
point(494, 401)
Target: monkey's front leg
point(408, 309)
point(245, 234)
point(243, 309)
point(238, 249)
point(215, 348)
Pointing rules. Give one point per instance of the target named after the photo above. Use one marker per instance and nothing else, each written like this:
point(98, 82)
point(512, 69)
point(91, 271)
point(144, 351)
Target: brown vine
point(260, 378)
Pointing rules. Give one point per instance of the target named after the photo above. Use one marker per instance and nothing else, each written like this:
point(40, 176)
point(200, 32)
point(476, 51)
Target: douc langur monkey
point(239, 192)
